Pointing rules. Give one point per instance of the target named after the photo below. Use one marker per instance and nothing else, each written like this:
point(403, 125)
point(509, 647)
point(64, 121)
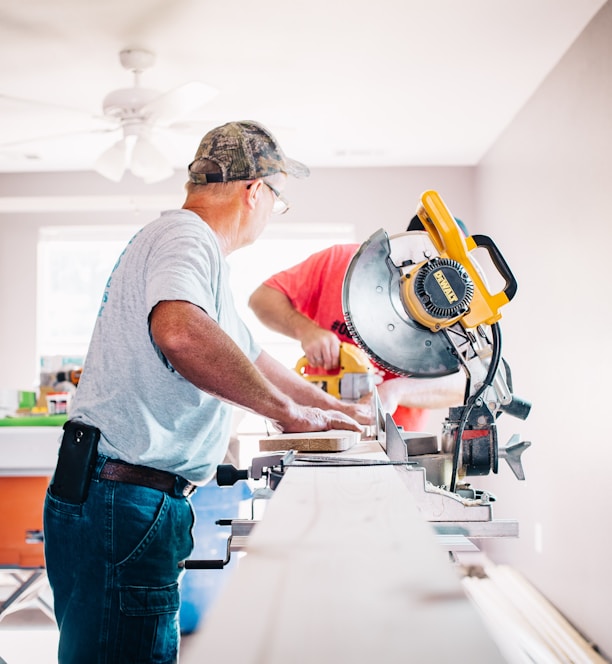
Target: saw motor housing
point(437, 292)
point(450, 287)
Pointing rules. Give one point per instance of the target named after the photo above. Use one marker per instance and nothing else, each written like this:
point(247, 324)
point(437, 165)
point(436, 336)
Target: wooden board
point(320, 441)
point(343, 569)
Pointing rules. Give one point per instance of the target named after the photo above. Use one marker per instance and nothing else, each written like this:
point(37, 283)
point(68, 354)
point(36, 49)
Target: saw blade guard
point(376, 316)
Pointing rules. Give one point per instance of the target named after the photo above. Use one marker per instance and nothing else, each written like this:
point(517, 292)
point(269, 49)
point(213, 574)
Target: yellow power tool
point(353, 379)
point(418, 304)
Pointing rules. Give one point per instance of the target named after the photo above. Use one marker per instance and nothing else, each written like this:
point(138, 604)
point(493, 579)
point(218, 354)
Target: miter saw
point(418, 304)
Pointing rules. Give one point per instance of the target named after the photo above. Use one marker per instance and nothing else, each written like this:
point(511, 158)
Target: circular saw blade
point(375, 314)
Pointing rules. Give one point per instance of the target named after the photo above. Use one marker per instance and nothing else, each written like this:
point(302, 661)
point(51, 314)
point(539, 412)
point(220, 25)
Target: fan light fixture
point(136, 153)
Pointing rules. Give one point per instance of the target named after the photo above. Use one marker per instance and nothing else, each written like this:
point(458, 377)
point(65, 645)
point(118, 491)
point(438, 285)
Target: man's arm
point(427, 393)
point(274, 309)
point(201, 352)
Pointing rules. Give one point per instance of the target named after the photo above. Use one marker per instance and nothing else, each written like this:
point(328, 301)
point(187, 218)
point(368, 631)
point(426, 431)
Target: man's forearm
point(274, 309)
point(427, 393)
point(295, 386)
point(207, 357)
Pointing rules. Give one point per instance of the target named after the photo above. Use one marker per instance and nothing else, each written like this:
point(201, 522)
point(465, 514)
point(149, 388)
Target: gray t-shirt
point(147, 412)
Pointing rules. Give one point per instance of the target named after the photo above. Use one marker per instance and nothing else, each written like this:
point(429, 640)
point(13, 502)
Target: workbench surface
point(343, 569)
point(29, 450)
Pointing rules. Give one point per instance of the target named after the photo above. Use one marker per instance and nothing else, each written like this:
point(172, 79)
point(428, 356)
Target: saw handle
point(499, 261)
point(302, 368)
point(446, 236)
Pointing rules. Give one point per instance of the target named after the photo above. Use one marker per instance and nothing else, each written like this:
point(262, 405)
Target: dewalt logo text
point(447, 289)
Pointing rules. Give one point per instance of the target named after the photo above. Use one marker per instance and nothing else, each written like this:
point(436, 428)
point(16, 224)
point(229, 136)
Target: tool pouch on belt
point(75, 463)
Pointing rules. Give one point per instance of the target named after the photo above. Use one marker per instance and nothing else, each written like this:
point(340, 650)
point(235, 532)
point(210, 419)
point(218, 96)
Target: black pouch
point(75, 463)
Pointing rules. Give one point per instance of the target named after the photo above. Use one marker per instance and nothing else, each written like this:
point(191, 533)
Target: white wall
point(545, 188)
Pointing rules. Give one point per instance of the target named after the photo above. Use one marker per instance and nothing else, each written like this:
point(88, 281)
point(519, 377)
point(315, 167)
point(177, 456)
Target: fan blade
point(53, 137)
point(149, 163)
point(179, 102)
point(112, 162)
point(21, 102)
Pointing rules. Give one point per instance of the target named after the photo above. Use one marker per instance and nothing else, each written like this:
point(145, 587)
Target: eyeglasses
point(281, 205)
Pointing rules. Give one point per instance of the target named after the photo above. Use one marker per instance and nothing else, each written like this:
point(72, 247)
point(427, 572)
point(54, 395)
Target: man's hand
point(321, 347)
point(306, 419)
point(205, 355)
point(389, 393)
point(362, 411)
point(274, 309)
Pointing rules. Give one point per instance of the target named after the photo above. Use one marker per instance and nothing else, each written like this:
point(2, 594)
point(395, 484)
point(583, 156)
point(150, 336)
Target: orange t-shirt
point(314, 288)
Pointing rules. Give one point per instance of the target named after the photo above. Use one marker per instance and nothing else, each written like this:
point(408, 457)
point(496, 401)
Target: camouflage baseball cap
point(243, 150)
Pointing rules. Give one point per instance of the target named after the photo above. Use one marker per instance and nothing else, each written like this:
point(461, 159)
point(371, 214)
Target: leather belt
point(119, 471)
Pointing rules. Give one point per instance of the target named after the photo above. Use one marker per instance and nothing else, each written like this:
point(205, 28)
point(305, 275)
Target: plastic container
point(200, 587)
point(58, 403)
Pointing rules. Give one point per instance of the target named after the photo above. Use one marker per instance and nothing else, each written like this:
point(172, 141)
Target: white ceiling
point(359, 83)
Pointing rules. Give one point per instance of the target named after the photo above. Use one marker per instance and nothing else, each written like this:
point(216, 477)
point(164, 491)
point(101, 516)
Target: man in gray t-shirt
point(168, 357)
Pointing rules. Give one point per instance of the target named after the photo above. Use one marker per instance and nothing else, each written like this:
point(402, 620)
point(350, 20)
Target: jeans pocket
point(144, 601)
point(55, 504)
point(150, 535)
point(149, 625)
point(137, 518)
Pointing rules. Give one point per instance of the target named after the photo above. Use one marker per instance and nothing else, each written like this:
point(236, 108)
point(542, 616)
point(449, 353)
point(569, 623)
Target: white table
point(28, 451)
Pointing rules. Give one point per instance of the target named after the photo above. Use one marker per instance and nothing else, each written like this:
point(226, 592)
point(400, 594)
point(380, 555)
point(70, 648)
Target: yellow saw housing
point(448, 288)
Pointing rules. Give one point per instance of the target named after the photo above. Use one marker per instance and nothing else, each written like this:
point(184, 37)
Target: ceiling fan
point(137, 113)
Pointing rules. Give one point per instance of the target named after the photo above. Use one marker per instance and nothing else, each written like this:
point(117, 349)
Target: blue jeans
point(113, 566)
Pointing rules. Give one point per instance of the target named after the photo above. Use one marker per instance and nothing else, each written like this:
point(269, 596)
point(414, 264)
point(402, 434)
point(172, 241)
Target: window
point(74, 263)
point(73, 266)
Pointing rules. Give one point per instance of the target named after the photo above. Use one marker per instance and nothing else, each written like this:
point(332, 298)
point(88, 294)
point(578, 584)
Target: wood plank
point(527, 625)
point(343, 569)
point(321, 441)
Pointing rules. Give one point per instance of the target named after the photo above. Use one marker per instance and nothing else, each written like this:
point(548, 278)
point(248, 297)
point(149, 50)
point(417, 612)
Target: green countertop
point(33, 421)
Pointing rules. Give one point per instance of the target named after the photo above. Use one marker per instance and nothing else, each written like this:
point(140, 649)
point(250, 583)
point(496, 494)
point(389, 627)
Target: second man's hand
point(321, 348)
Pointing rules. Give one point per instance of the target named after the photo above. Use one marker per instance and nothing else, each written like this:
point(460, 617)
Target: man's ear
point(254, 191)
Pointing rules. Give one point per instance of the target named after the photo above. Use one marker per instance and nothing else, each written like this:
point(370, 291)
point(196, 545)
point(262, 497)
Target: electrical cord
point(488, 381)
